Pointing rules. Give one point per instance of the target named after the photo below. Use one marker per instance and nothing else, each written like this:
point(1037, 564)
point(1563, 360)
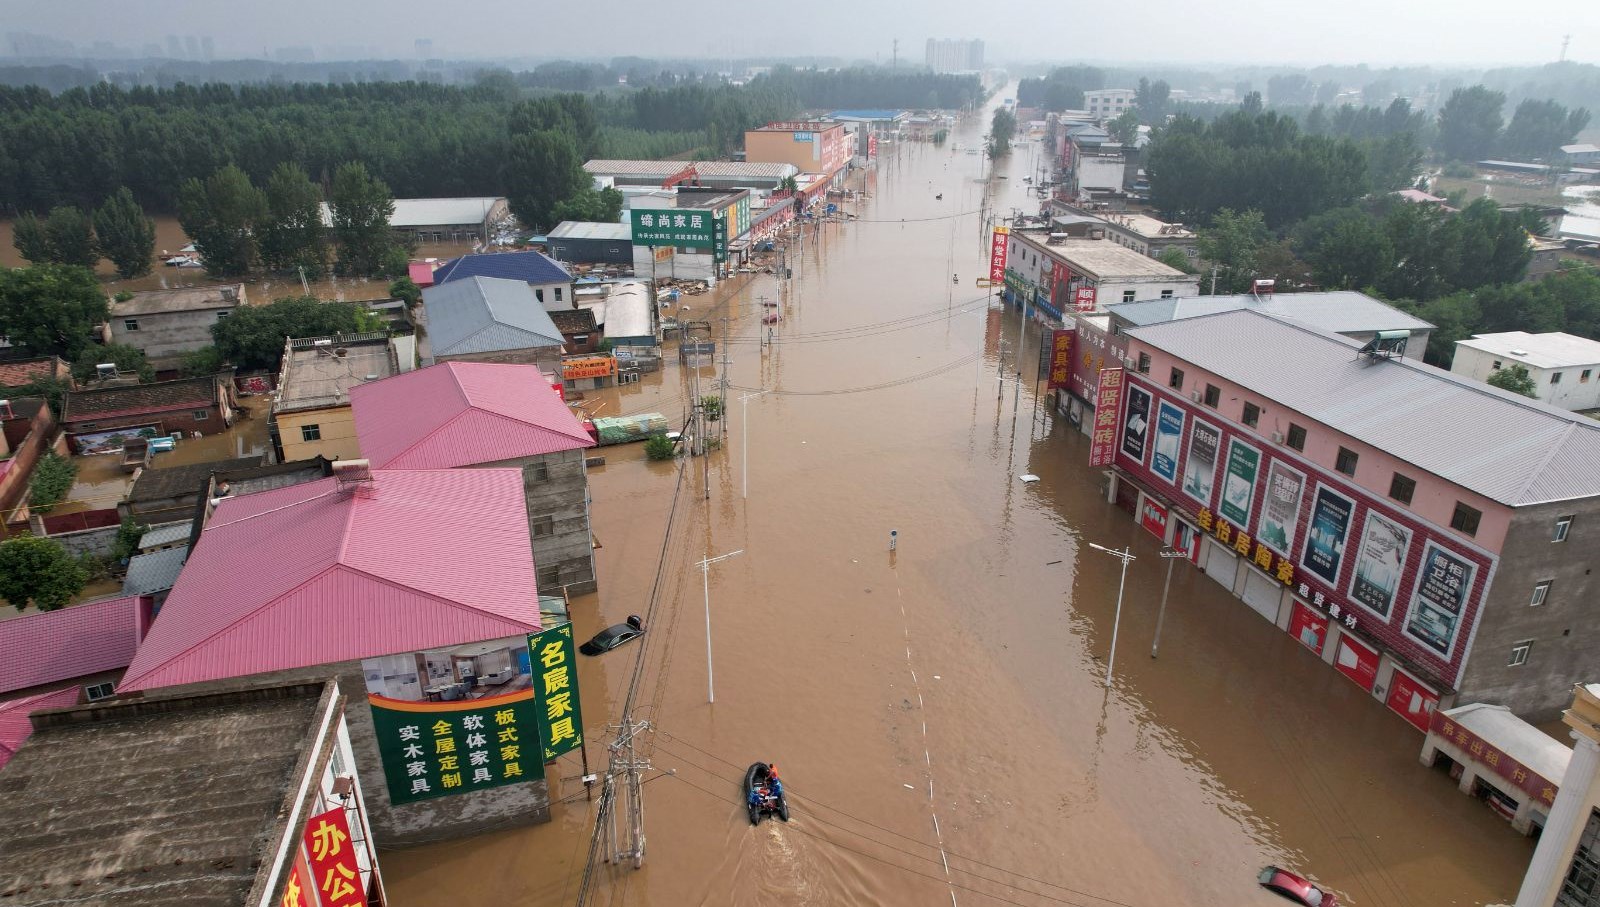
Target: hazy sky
point(1381, 32)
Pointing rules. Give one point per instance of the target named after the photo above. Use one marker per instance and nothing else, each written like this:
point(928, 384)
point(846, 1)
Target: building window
point(1165, 294)
point(549, 578)
point(542, 526)
point(1144, 363)
point(540, 471)
point(1584, 378)
point(1252, 414)
point(1541, 591)
point(539, 294)
point(1345, 462)
point(1563, 526)
point(558, 294)
point(1519, 654)
point(1401, 488)
point(1496, 366)
point(1555, 377)
point(1127, 295)
point(1213, 395)
point(311, 432)
point(130, 324)
point(201, 415)
point(1584, 874)
point(222, 315)
point(99, 691)
point(1297, 437)
point(1465, 519)
point(1175, 381)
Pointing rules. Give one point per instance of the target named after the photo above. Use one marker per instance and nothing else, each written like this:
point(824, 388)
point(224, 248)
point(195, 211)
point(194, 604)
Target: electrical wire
point(898, 382)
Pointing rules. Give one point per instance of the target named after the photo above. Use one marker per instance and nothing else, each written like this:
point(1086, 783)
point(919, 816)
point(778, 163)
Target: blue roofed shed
point(551, 283)
point(487, 319)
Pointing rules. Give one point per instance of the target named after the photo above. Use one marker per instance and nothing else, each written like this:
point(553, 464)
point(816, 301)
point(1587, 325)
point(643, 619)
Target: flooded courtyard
point(939, 712)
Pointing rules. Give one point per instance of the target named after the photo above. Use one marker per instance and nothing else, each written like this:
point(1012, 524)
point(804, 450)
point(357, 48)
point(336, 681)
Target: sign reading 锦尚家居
point(450, 721)
point(682, 228)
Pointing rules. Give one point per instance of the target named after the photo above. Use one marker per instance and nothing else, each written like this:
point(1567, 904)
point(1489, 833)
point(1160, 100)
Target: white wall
point(1571, 392)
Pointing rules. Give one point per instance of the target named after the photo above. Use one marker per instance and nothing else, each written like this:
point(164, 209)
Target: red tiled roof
point(14, 724)
point(310, 575)
point(138, 399)
point(22, 371)
point(460, 414)
point(75, 641)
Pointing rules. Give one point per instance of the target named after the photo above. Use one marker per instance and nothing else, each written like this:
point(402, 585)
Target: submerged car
point(613, 636)
point(1295, 888)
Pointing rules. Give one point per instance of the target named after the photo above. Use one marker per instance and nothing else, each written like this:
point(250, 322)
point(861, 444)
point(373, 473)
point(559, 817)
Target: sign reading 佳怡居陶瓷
point(684, 229)
point(555, 687)
point(454, 720)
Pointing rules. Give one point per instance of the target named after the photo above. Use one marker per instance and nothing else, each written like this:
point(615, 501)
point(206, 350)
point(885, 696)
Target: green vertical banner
point(555, 690)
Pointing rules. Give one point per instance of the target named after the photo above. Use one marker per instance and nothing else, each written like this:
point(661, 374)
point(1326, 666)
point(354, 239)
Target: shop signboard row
point(681, 228)
point(1520, 776)
point(588, 367)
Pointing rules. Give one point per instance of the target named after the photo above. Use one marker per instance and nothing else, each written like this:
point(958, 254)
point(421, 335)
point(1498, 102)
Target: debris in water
point(1051, 563)
point(1028, 478)
point(909, 787)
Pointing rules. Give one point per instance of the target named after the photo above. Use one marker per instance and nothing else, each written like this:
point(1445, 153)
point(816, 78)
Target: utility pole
point(705, 583)
point(722, 392)
point(1169, 555)
point(626, 767)
point(1565, 40)
point(894, 61)
point(744, 445)
point(1126, 554)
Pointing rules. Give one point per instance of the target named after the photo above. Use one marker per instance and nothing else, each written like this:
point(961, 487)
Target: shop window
point(1175, 380)
point(1583, 876)
point(1401, 488)
point(99, 691)
point(1563, 526)
point(1144, 363)
point(1519, 654)
point(1252, 414)
point(1345, 462)
point(130, 324)
point(1465, 519)
point(540, 471)
point(1297, 437)
point(1541, 592)
point(542, 526)
point(1213, 395)
point(201, 415)
point(311, 432)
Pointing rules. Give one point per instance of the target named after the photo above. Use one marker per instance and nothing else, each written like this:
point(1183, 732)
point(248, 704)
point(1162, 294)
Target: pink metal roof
point(461, 414)
point(76, 641)
point(421, 273)
point(14, 724)
point(310, 575)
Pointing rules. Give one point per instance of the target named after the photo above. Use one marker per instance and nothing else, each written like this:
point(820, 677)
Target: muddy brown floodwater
point(944, 706)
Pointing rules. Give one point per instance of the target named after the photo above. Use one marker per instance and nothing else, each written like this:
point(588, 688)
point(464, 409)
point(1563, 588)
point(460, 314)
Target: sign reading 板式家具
point(454, 720)
point(555, 688)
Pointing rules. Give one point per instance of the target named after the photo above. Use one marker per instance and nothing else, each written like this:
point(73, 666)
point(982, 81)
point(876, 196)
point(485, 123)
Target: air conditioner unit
point(1195, 396)
point(1277, 437)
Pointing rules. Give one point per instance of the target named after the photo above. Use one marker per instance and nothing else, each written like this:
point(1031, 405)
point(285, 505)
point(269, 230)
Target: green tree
point(542, 169)
point(39, 571)
point(30, 239)
point(405, 288)
point(791, 185)
point(126, 358)
point(291, 234)
point(1469, 123)
point(362, 206)
point(201, 362)
point(222, 215)
point(1125, 128)
point(52, 480)
point(591, 205)
point(51, 309)
point(1538, 129)
point(1347, 249)
point(126, 544)
point(125, 235)
point(1151, 99)
point(659, 447)
point(71, 235)
point(1001, 128)
point(1516, 380)
point(1230, 245)
point(253, 336)
point(1174, 257)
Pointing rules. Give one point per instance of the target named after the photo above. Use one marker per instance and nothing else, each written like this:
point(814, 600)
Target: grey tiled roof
point(1505, 447)
point(485, 315)
point(154, 572)
point(1340, 312)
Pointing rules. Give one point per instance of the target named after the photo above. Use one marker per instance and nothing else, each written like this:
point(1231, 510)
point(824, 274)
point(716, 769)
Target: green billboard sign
point(555, 688)
point(684, 228)
point(437, 749)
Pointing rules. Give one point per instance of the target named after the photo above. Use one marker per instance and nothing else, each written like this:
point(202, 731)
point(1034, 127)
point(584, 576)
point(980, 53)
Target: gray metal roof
point(1503, 446)
point(166, 534)
point(664, 169)
point(1339, 312)
point(485, 315)
point(154, 572)
point(578, 229)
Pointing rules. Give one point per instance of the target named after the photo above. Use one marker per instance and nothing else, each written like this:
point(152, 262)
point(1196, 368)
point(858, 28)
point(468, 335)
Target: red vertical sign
point(1061, 359)
point(1357, 661)
point(1153, 517)
point(298, 890)
point(334, 871)
point(1411, 700)
point(1108, 399)
point(1309, 627)
point(1083, 299)
point(997, 254)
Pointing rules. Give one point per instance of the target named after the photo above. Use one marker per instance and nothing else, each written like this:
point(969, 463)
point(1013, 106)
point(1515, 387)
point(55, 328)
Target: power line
point(898, 382)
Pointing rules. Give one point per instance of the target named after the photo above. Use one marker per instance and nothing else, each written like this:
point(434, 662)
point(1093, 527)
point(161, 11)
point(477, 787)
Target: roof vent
point(1519, 352)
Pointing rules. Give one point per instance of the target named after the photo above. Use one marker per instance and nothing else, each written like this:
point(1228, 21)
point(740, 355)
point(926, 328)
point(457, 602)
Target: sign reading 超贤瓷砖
point(682, 228)
point(555, 687)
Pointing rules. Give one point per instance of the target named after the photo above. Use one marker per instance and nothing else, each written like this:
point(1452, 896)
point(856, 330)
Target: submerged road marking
point(927, 754)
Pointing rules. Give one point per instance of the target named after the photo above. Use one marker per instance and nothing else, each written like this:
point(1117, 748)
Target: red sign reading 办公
point(997, 254)
point(1102, 443)
point(335, 874)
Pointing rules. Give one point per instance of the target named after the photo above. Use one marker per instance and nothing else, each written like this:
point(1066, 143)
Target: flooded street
point(939, 713)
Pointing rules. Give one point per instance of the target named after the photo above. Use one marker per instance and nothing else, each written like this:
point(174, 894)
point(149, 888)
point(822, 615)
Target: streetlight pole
point(744, 445)
point(1126, 555)
point(705, 584)
point(1170, 555)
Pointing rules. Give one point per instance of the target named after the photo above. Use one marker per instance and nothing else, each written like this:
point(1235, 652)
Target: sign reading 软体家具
point(555, 687)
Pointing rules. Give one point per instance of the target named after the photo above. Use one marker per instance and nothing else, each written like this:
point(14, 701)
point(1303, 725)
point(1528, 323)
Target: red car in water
point(1295, 888)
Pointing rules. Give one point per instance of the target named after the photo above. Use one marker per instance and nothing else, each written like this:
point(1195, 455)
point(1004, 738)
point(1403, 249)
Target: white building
point(948, 55)
point(1066, 274)
point(1565, 369)
point(1108, 103)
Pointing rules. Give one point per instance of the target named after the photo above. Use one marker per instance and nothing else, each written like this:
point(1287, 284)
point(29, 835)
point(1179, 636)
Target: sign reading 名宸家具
point(454, 720)
point(1108, 403)
point(687, 229)
point(555, 688)
point(331, 856)
point(1239, 482)
point(1061, 359)
point(997, 254)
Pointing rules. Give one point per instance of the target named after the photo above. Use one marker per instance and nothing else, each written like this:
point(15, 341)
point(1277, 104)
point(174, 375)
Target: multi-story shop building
point(1109, 103)
point(1062, 274)
point(1426, 535)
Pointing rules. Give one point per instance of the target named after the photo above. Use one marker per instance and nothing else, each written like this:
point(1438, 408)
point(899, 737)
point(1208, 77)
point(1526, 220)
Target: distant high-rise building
point(174, 47)
point(955, 55)
point(191, 47)
point(424, 48)
point(151, 49)
point(32, 46)
point(208, 50)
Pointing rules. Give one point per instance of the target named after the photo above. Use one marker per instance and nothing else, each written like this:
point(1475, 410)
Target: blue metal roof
point(529, 267)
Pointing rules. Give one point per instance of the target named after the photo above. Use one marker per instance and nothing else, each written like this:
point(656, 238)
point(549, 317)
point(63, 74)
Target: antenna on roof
point(1386, 345)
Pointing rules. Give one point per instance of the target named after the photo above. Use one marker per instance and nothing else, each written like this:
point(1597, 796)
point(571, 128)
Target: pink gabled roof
point(310, 575)
point(461, 414)
point(76, 641)
point(14, 724)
